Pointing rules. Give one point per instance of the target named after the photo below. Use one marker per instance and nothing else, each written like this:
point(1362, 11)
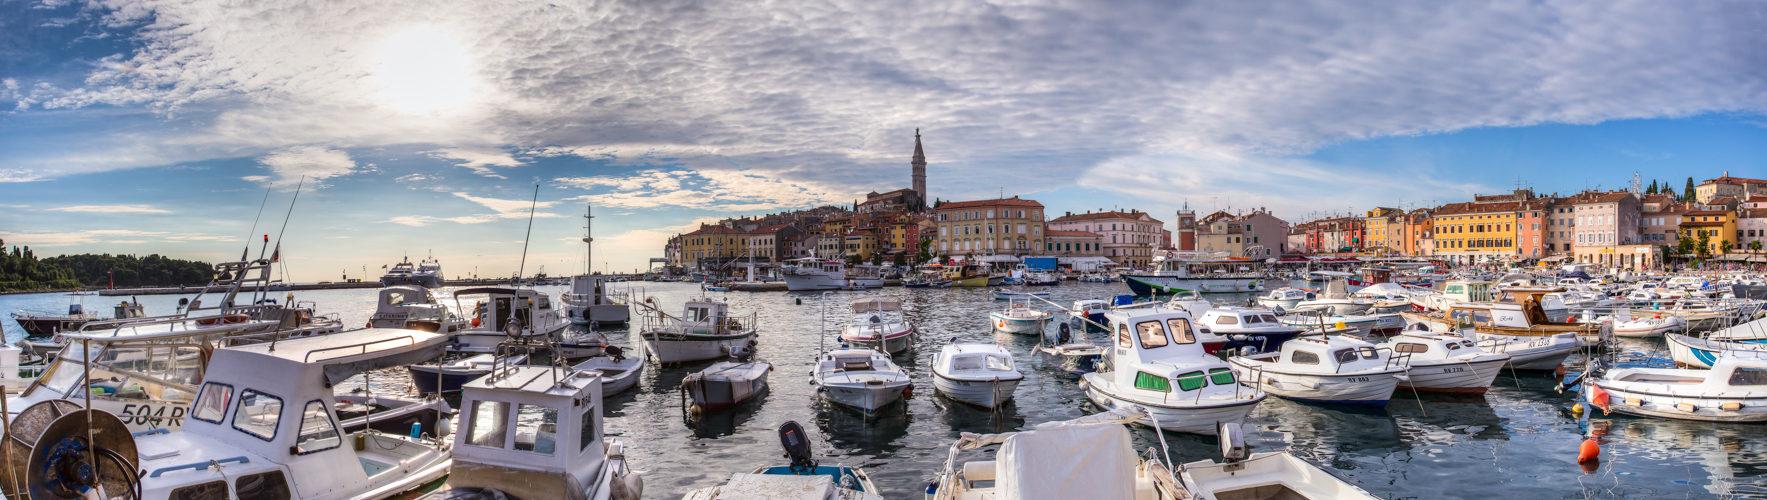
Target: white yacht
point(405, 273)
point(429, 274)
point(1332, 370)
point(863, 379)
point(1158, 364)
point(977, 374)
point(704, 331)
point(816, 274)
point(878, 322)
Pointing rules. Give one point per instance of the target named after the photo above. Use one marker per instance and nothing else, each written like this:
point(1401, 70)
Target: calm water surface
point(1518, 441)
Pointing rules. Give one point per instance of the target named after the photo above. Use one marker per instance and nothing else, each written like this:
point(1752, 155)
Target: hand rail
point(200, 465)
point(363, 345)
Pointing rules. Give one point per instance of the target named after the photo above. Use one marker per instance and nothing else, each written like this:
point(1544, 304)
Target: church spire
point(919, 155)
point(919, 172)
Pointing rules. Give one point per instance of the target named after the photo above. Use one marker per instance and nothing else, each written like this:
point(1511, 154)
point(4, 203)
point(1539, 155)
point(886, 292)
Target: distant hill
point(131, 271)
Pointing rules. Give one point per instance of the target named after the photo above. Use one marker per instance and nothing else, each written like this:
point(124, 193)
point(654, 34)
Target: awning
point(1557, 258)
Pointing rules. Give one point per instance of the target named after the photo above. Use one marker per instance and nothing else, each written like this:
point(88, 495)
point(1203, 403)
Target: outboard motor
point(1233, 448)
point(797, 447)
point(615, 352)
point(1064, 334)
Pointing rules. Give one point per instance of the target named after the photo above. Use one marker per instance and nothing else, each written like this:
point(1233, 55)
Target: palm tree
point(1755, 246)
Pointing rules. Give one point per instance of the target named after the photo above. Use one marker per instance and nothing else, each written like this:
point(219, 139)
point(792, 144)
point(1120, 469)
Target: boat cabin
point(1431, 346)
point(975, 360)
point(533, 432)
point(1332, 354)
point(266, 415)
point(1376, 274)
point(1234, 319)
point(502, 305)
point(709, 317)
point(412, 307)
point(1157, 348)
point(1467, 291)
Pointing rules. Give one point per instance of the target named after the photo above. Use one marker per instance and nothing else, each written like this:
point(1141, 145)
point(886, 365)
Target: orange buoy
point(1590, 451)
point(1599, 398)
point(475, 322)
point(369, 325)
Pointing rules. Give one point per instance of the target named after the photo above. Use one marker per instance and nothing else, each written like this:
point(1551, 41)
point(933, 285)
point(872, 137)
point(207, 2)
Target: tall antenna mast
point(524, 264)
point(588, 246)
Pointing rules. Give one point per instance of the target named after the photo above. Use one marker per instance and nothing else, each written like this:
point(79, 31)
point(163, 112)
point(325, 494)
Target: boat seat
point(978, 471)
point(855, 366)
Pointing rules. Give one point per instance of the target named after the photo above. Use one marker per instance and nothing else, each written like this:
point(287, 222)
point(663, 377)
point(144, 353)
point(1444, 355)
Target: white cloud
point(705, 189)
point(70, 238)
point(479, 159)
point(111, 209)
point(17, 175)
point(505, 209)
point(313, 163)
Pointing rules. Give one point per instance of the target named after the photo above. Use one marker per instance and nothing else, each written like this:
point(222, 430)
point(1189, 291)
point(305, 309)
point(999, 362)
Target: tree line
point(20, 269)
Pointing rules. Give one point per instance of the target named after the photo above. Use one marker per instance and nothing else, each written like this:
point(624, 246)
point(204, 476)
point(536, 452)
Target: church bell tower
point(920, 170)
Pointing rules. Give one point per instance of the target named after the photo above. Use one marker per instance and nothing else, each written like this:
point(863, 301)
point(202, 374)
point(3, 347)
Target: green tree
point(1653, 187)
point(1687, 194)
point(1725, 246)
point(901, 259)
point(877, 258)
point(1702, 244)
point(855, 259)
point(1684, 243)
point(926, 251)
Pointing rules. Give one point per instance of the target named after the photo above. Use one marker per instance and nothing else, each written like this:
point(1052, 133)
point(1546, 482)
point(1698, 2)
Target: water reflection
point(725, 421)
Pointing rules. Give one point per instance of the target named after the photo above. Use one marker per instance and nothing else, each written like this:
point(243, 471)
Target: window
point(1344, 355)
point(257, 414)
point(1192, 381)
point(1748, 376)
point(267, 486)
point(586, 435)
point(1123, 336)
point(211, 406)
point(1304, 358)
point(318, 433)
point(488, 426)
point(1227, 320)
point(1369, 353)
point(536, 429)
point(1411, 347)
point(1181, 331)
point(1221, 376)
point(213, 490)
point(1151, 334)
point(1144, 380)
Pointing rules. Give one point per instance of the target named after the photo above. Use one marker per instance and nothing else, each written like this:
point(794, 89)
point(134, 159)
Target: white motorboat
point(1444, 363)
point(1191, 271)
point(517, 435)
point(1284, 298)
point(1751, 331)
point(1247, 327)
point(505, 315)
point(617, 372)
point(704, 331)
point(1267, 475)
point(1648, 327)
point(817, 274)
point(1453, 292)
point(1690, 352)
point(1020, 317)
point(413, 307)
point(1088, 310)
point(1335, 299)
point(1731, 391)
point(726, 384)
point(1159, 364)
point(451, 375)
point(1333, 370)
point(977, 374)
point(863, 379)
point(802, 479)
point(878, 322)
point(1534, 353)
point(1316, 323)
point(240, 414)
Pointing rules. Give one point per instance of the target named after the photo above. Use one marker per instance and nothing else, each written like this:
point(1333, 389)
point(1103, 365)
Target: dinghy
point(726, 384)
point(1069, 352)
point(977, 374)
point(617, 372)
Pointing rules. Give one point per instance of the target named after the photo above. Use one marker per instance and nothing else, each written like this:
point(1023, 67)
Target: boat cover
point(1749, 291)
point(1078, 461)
point(878, 303)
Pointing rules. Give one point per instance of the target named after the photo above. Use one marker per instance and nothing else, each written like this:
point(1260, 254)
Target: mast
point(588, 246)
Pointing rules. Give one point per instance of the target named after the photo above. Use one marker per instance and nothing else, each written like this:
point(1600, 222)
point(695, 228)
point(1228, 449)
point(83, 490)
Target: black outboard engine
point(797, 448)
point(1064, 334)
point(615, 352)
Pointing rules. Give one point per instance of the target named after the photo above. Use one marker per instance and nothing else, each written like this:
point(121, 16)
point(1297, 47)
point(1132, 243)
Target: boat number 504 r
point(152, 415)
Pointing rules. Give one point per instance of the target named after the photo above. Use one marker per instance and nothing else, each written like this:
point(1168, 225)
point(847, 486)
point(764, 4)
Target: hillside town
point(1718, 222)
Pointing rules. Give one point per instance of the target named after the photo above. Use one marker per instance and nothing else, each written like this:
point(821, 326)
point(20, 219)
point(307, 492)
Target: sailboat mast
point(588, 245)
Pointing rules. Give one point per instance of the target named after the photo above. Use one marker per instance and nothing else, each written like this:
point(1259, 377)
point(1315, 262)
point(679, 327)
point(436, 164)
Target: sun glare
point(424, 70)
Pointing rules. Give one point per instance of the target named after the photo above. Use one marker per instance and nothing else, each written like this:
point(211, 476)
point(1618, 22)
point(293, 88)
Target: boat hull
point(1152, 284)
point(1021, 326)
point(864, 397)
point(670, 348)
point(425, 379)
point(1190, 419)
point(616, 376)
point(1361, 389)
point(1689, 352)
point(720, 394)
point(812, 282)
point(983, 393)
point(605, 314)
point(1660, 405)
point(1453, 377)
point(46, 326)
point(1075, 358)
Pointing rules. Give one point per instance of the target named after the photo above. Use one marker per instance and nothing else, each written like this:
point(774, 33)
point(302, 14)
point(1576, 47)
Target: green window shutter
point(1221, 376)
point(1145, 381)
point(1191, 381)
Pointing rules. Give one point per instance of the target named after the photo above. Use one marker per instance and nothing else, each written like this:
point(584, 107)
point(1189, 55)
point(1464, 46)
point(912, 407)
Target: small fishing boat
point(1649, 327)
point(878, 322)
point(1335, 299)
point(1527, 353)
point(618, 372)
point(1314, 323)
point(503, 315)
point(1729, 392)
point(1068, 352)
point(802, 479)
point(1754, 331)
point(1019, 317)
point(977, 374)
point(1243, 475)
point(1329, 369)
point(1088, 310)
point(453, 374)
point(704, 331)
point(413, 307)
point(726, 384)
point(1040, 279)
point(1246, 327)
point(863, 379)
point(1444, 363)
point(1158, 364)
point(1009, 294)
point(1285, 298)
point(1691, 352)
point(1515, 312)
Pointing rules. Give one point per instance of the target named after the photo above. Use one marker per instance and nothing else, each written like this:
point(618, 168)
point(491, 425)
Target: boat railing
point(1395, 358)
point(361, 347)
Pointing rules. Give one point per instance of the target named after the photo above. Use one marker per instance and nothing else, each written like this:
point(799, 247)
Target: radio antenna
point(524, 264)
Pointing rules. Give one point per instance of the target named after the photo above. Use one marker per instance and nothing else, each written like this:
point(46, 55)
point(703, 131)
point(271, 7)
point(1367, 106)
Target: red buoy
point(1590, 451)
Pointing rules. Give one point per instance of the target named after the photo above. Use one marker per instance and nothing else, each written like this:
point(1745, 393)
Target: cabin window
point(1192, 381)
point(211, 405)
point(1748, 376)
point(536, 429)
point(395, 298)
point(1454, 289)
point(1181, 331)
point(1344, 355)
point(1227, 320)
point(586, 435)
point(488, 426)
point(1369, 353)
point(1221, 376)
point(1144, 380)
point(257, 414)
point(1269, 319)
point(318, 433)
point(1453, 346)
point(267, 486)
point(1412, 347)
point(205, 491)
point(1303, 358)
point(1151, 334)
point(1481, 316)
point(965, 363)
point(1253, 319)
point(999, 364)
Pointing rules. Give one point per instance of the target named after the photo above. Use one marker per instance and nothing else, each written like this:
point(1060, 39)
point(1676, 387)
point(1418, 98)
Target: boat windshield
point(140, 372)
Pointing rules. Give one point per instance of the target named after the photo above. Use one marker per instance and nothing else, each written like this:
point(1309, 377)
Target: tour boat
point(878, 322)
point(413, 307)
point(618, 372)
point(1019, 317)
point(240, 415)
point(1728, 392)
point(863, 379)
point(978, 374)
point(1284, 298)
point(1158, 364)
point(1691, 352)
point(802, 478)
point(517, 434)
point(726, 384)
point(1335, 369)
point(816, 274)
point(1198, 273)
point(1649, 327)
point(1437, 362)
point(704, 331)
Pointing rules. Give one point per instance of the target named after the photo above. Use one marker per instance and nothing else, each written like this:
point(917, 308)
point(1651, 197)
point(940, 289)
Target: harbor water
point(1517, 441)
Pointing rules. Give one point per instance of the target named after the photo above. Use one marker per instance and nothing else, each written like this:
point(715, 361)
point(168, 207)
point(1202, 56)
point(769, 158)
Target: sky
point(416, 128)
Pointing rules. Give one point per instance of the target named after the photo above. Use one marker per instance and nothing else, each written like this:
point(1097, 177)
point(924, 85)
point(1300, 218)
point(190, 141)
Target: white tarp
point(1094, 461)
point(997, 258)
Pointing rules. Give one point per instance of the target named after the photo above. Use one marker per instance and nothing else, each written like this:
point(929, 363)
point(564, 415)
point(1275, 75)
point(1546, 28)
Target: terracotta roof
point(1084, 234)
point(1733, 180)
point(1606, 197)
point(705, 229)
point(1109, 215)
point(1753, 213)
point(1709, 212)
point(1013, 201)
point(1463, 208)
point(769, 229)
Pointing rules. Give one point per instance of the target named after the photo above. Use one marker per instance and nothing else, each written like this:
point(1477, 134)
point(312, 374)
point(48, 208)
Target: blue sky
point(158, 126)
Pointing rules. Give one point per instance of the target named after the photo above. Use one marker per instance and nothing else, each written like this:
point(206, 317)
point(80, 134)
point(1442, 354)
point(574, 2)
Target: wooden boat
point(1516, 312)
